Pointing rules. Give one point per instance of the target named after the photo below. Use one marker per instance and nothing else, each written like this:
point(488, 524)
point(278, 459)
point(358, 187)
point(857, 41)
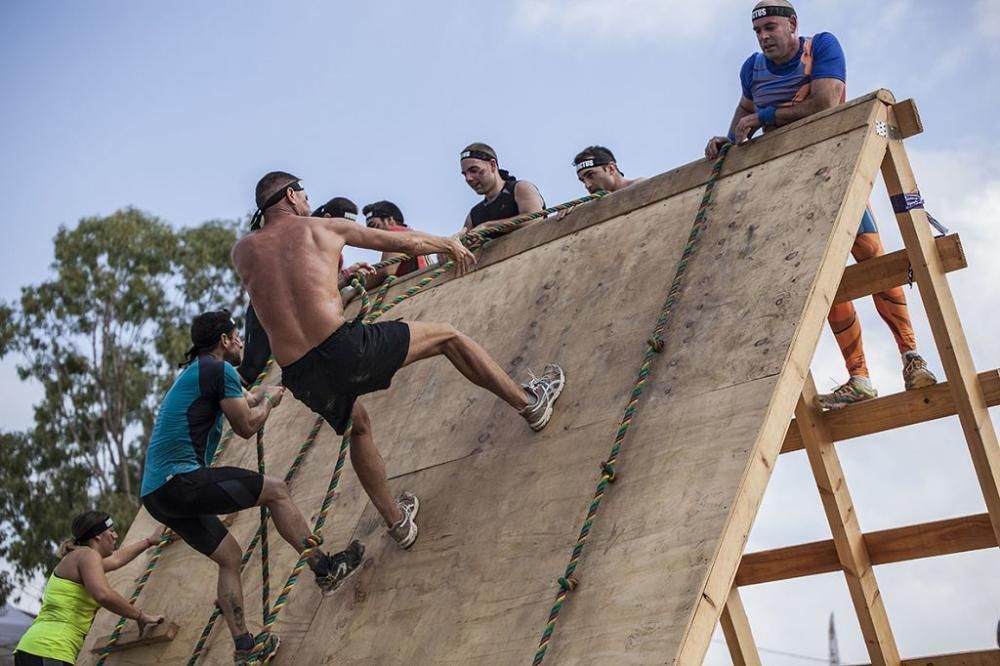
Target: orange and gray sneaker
point(915, 372)
point(856, 389)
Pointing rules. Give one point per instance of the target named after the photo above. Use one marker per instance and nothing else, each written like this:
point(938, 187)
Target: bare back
point(290, 269)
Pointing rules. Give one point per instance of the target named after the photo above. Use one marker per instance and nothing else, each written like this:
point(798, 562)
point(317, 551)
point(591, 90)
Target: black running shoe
point(338, 567)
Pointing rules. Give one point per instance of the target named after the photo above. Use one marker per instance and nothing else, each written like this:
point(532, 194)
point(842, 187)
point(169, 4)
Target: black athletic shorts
point(356, 359)
point(189, 503)
point(28, 659)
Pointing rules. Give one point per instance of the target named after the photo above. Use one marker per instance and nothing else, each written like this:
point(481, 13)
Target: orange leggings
point(891, 305)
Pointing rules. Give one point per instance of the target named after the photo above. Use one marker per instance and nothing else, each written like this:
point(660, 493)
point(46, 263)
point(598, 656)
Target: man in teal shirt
point(183, 491)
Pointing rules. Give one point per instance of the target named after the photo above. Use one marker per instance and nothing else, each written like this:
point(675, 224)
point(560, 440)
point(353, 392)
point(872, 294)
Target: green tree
point(103, 337)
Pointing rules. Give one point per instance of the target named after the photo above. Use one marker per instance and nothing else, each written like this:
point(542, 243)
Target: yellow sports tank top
point(62, 623)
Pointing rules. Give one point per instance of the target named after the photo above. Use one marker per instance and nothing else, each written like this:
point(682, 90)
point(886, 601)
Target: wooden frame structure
point(675, 571)
point(967, 394)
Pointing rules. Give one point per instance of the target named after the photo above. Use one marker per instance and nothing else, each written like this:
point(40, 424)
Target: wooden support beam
point(895, 411)
point(891, 270)
point(984, 658)
point(852, 552)
point(970, 401)
point(907, 118)
point(130, 638)
point(736, 627)
point(899, 544)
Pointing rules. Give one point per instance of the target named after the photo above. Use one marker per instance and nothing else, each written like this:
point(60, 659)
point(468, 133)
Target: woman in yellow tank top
point(77, 588)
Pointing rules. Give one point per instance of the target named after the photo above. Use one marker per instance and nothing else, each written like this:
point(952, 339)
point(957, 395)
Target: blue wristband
point(732, 137)
point(766, 116)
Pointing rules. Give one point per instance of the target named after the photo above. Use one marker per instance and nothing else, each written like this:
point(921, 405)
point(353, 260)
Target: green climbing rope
point(654, 345)
point(265, 551)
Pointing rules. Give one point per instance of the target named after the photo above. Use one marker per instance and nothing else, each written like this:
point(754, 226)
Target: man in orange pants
point(794, 77)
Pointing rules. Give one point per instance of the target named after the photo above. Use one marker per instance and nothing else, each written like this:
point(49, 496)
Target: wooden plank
point(502, 507)
point(473, 464)
point(982, 658)
point(896, 411)
point(852, 553)
point(907, 118)
point(130, 638)
point(892, 270)
point(794, 370)
point(942, 313)
point(739, 637)
point(899, 544)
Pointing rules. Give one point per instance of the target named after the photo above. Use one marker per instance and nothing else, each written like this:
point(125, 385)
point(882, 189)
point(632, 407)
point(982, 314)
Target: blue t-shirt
point(189, 424)
point(768, 84)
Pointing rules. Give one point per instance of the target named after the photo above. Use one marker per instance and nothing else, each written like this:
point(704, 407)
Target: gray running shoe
point(405, 531)
point(916, 375)
point(260, 653)
point(846, 394)
point(334, 569)
point(546, 390)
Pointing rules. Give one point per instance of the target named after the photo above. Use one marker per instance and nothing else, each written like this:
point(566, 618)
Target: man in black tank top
point(505, 196)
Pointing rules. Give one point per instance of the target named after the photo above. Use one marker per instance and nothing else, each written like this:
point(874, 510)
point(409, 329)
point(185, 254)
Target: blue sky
point(177, 108)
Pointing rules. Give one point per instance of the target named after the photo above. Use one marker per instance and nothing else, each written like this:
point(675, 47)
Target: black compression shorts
point(189, 503)
point(28, 659)
point(356, 359)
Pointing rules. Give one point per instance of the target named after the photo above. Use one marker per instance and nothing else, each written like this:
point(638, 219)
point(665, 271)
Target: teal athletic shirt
point(189, 424)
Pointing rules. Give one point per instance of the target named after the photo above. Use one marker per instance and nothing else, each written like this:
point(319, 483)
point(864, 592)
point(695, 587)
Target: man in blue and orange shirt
point(794, 77)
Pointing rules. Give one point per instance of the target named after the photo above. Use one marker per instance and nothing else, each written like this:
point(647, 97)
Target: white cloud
point(622, 20)
point(987, 14)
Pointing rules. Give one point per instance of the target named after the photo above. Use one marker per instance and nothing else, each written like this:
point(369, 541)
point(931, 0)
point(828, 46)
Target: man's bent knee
point(228, 554)
point(273, 490)
point(360, 422)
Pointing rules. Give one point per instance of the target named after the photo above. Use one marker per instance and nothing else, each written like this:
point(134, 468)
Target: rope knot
point(313, 541)
point(568, 584)
point(609, 471)
point(655, 344)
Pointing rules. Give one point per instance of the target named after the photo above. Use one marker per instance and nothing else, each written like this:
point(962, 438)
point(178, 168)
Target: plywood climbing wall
point(501, 505)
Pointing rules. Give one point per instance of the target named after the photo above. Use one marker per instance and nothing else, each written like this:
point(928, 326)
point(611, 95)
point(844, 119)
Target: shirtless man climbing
point(289, 267)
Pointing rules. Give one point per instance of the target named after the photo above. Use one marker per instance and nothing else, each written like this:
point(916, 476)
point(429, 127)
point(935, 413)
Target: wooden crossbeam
point(899, 544)
point(942, 314)
point(896, 411)
point(892, 270)
point(736, 627)
point(983, 658)
point(852, 553)
point(130, 638)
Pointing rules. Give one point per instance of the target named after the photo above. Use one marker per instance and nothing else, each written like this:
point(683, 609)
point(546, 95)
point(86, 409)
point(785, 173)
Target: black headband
point(321, 211)
point(771, 10)
point(95, 531)
point(258, 216)
point(591, 162)
point(477, 155)
point(379, 212)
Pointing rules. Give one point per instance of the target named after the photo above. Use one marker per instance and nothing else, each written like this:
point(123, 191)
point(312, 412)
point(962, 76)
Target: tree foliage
point(103, 337)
